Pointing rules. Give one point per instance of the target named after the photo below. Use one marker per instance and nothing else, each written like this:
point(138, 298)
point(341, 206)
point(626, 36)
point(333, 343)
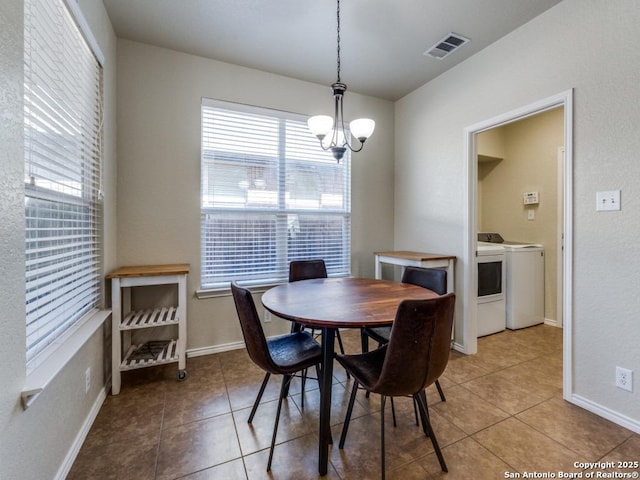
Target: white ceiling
point(382, 41)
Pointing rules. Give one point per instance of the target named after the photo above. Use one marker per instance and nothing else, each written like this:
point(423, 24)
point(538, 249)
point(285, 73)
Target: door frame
point(470, 322)
point(560, 240)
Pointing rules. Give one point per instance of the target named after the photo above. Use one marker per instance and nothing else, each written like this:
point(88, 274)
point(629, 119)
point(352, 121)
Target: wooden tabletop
point(150, 270)
point(419, 256)
point(341, 302)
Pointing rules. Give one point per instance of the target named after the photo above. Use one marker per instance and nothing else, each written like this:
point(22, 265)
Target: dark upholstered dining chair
point(420, 338)
point(307, 269)
point(434, 279)
point(285, 355)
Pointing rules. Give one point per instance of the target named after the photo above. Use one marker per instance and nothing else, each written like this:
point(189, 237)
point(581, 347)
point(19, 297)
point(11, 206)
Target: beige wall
point(529, 163)
point(159, 98)
point(37, 443)
point(570, 46)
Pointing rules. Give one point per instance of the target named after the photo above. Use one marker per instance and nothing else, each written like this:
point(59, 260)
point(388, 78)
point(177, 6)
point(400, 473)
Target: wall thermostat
point(530, 198)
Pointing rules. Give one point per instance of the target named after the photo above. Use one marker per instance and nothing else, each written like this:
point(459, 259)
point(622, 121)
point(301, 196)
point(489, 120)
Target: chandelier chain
point(338, 38)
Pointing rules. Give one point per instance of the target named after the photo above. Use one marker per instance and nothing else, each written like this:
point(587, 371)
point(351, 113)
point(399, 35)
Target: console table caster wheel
point(182, 375)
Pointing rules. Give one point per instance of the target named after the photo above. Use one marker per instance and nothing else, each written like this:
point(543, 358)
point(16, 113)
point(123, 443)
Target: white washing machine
point(490, 271)
point(525, 284)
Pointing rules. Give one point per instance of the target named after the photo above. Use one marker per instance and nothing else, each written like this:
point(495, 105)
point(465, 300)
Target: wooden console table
point(418, 259)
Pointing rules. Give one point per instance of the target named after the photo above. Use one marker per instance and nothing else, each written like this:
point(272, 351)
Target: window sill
point(226, 291)
point(54, 358)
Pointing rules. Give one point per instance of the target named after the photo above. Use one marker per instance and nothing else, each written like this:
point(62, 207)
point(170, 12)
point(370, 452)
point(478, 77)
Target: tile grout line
point(160, 434)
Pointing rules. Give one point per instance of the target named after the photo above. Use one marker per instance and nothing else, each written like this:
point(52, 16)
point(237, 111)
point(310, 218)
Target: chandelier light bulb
point(362, 128)
point(320, 125)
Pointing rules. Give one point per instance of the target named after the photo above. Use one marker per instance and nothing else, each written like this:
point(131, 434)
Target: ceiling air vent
point(446, 46)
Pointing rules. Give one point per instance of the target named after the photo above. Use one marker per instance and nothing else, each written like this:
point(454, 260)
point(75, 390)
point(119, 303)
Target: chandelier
point(331, 131)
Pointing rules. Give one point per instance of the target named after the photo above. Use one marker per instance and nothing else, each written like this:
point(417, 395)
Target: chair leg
point(347, 418)
point(382, 454)
point(286, 379)
point(304, 381)
point(442, 397)
point(304, 376)
point(425, 419)
point(427, 425)
point(259, 397)
point(415, 410)
point(341, 346)
point(319, 376)
point(393, 412)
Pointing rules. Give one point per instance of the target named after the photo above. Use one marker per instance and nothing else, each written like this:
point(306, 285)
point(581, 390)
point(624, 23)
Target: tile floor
point(504, 415)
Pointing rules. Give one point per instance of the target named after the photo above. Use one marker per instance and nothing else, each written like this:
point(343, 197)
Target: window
point(62, 130)
point(269, 195)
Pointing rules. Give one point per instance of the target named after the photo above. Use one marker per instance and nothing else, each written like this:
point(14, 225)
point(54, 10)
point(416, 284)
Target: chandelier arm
point(356, 150)
point(344, 131)
point(326, 149)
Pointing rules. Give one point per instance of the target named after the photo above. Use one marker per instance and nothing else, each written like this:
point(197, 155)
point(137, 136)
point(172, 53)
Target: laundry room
point(519, 212)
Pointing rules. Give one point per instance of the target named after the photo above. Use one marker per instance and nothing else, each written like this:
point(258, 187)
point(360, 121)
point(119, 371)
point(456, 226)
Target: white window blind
point(62, 102)
point(270, 195)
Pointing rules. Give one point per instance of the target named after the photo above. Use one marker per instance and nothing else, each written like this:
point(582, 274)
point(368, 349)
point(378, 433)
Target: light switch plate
point(608, 201)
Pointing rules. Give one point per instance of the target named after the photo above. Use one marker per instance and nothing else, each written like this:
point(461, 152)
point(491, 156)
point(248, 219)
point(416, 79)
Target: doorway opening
point(470, 328)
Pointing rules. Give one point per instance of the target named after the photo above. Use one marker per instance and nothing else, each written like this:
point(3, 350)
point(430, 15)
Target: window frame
point(86, 203)
point(281, 211)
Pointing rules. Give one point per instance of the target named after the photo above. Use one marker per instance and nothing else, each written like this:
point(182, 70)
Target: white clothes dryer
point(525, 284)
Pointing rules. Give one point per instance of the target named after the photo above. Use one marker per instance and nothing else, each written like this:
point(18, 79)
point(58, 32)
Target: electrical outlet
point(267, 316)
point(624, 379)
point(607, 201)
point(87, 380)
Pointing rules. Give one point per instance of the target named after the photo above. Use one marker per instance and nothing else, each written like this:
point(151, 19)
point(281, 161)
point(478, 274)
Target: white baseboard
point(226, 347)
point(64, 469)
point(604, 412)
point(552, 322)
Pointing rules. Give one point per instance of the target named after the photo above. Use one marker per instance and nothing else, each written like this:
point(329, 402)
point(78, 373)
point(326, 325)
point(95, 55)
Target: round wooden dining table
point(330, 303)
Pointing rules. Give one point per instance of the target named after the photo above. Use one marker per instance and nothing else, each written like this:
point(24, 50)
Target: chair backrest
point(252, 332)
point(418, 350)
point(432, 278)
point(307, 269)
